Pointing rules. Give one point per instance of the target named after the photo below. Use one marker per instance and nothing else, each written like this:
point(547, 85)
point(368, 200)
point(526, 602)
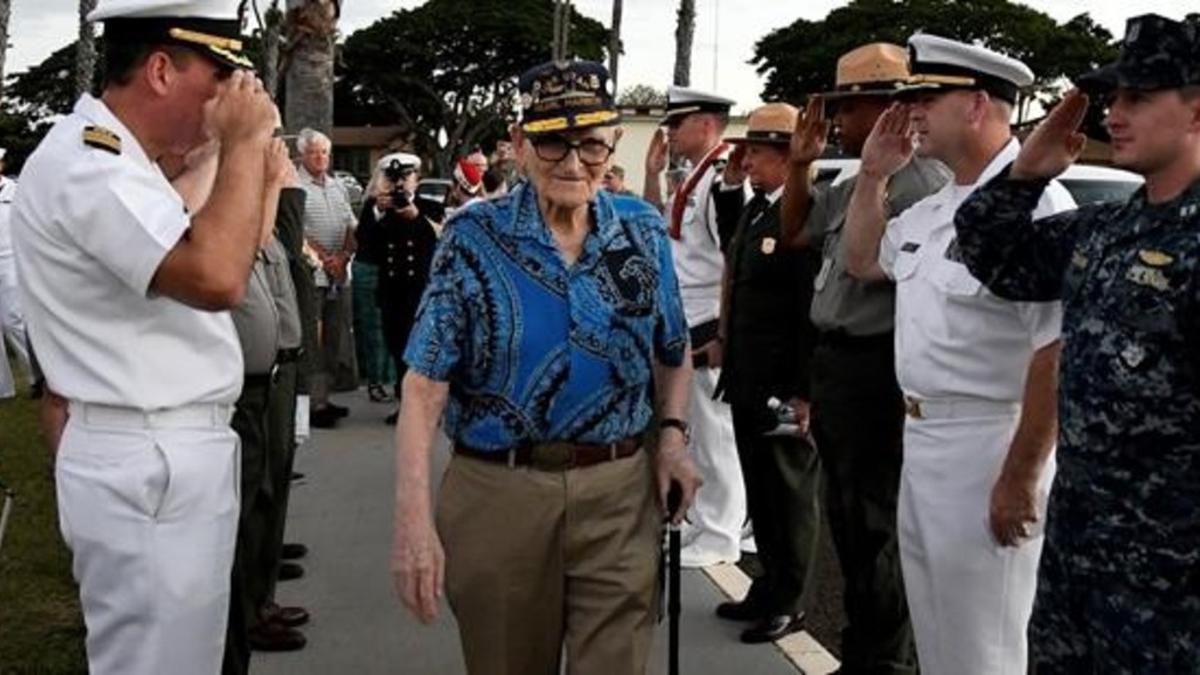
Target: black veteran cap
point(1157, 53)
point(211, 27)
point(940, 63)
point(565, 95)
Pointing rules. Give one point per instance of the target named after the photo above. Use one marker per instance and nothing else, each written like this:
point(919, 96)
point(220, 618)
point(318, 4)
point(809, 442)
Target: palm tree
point(85, 50)
point(311, 30)
point(272, 23)
point(614, 42)
point(4, 10)
point(685, 28)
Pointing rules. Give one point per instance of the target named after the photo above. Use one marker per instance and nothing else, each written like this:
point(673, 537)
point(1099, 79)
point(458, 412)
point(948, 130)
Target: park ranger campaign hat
point(1157, 53)
point(682, 101)
point(561, 96)
point(210, 27)
point(771, 124)
point(877, 69)
point(937, 63)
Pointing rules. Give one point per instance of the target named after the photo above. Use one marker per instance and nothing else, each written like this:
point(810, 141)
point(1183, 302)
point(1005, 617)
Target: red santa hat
point(468, 176)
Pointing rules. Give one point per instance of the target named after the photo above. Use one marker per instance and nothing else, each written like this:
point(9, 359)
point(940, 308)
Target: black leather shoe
point(323, 418)
point(390, 420)
point(275, 637)
point(296, 475)
point(289, 571)
point(772, 628)
point(339, 411)
point(285, 616)
point(744, 610)
point(293, 551)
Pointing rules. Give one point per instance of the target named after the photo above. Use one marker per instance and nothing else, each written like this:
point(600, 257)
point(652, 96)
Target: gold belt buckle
point(912, 407)
point(553, 456)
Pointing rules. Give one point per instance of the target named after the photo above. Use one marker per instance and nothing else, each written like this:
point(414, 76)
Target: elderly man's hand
point(418, 565)
point(673, 465)
point(1012, 511)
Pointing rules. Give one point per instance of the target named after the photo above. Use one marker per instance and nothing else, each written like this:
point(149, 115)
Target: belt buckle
point(912, 407)
point(553, 457)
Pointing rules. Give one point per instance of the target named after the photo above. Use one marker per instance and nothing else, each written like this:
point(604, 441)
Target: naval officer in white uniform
point(12, 320)
point(978, 373)
point(125, 294)
point(695, 123)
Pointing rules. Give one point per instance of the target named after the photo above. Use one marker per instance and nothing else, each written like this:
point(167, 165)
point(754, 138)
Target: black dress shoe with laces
point(293, 551)
point(745, 610)
point(772, 628)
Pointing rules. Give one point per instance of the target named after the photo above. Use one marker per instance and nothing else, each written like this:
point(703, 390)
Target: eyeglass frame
point(577, 146)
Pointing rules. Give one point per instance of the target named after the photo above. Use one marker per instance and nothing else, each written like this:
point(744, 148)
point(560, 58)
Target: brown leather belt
point(556, 456)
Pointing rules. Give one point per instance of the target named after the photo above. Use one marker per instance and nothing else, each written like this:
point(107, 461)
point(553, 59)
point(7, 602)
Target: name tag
point(1148, 276)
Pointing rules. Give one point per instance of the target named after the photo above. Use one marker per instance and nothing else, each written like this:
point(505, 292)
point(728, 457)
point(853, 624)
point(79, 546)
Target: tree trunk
point(685, 28)
point(4, 11)
point(273, 21)
point(85, 50)
point(614, 43)
point(311, 30)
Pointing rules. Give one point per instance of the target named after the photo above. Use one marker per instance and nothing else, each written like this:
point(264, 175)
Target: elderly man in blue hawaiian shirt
point(550, 318)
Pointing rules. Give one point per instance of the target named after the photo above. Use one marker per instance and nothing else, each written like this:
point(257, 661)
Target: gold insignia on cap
point(99, 137)
point(205, 39)
point(768, 245)
point(1155, 258)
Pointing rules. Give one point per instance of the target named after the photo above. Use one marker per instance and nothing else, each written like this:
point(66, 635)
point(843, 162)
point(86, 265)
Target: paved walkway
point(343, 511)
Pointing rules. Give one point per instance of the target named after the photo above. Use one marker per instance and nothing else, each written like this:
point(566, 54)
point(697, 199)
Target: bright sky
point(725, 32)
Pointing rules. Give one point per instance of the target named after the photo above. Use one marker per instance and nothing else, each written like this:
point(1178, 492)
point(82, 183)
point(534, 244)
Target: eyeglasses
point(555, 148)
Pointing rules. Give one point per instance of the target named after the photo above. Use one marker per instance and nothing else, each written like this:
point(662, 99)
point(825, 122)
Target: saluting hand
point(811, 134)
point(734, 173)
point(242, 110)
point(1056, 143)
point(656, 154)
point(890, 146)
point(281, 172)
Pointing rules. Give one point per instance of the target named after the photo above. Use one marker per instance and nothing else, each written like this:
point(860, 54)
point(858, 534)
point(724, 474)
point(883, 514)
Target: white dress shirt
point(954, 339)
point(91, 228)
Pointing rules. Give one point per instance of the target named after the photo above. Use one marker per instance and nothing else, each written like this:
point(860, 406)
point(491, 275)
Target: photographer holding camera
point(396, 233)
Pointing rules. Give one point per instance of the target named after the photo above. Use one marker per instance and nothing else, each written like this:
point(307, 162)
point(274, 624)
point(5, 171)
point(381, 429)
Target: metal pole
point(674, 497)
point(4, 512)
point(716, 32)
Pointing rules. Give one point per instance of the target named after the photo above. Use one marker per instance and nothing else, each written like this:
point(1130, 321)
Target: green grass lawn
point(41, 628)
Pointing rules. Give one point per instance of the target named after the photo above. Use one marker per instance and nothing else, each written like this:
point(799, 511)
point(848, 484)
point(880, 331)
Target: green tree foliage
point(448, 69)
point(800, 59)
point(642, 95)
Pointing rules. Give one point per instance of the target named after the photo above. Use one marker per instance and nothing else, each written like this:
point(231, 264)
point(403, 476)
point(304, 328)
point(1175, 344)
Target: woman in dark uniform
point(397, 232)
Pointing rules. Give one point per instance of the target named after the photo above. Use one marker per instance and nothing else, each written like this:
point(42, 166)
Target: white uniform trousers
point(12, 319)
point(969, 598)
point(714, 529)
point(149, 509)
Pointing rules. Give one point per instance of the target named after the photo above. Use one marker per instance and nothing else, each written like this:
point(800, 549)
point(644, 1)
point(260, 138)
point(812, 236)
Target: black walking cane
point(6, 510)
point(674, 497)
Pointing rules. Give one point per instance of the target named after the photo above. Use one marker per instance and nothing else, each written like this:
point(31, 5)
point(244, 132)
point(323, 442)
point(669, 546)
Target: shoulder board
point(99, 137)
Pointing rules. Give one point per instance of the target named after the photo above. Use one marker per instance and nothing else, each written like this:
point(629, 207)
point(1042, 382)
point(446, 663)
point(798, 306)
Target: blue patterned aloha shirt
point(535, 350)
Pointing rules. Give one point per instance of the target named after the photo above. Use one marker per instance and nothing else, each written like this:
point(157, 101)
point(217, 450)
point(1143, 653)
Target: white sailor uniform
point(961, 359)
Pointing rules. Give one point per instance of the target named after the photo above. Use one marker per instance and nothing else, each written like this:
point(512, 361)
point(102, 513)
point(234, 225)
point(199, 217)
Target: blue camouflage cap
point(1157, 53)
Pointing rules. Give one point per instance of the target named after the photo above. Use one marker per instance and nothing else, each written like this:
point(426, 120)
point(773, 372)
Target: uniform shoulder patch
point(99, 137)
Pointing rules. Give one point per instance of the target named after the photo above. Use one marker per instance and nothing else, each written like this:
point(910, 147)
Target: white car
point(1088, 184)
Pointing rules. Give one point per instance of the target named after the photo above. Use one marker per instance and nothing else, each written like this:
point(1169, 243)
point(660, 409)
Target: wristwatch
point(676, 423)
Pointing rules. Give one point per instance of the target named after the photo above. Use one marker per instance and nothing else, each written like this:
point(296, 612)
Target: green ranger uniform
point(858, 420)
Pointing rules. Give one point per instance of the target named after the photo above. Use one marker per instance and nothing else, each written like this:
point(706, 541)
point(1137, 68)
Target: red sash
point(681, 196)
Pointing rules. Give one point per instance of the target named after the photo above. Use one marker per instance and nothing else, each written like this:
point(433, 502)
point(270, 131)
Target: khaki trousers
point(536, 560)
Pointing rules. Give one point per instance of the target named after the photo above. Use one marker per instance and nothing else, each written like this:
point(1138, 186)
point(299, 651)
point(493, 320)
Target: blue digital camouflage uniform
point(1119, 586)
